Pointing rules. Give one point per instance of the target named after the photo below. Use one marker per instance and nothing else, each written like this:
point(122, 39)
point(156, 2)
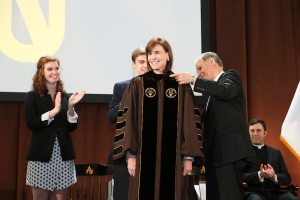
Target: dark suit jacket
point(112, 115)
point(43, 135)
point(114, 103)
point(225, 132)
point(275, 159)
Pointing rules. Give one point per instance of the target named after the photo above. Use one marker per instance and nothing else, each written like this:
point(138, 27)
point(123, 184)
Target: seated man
point(264, 177)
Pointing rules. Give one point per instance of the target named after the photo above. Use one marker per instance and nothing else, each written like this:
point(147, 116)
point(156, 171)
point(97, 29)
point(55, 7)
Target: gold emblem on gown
point(171, 93)
point(150, 92)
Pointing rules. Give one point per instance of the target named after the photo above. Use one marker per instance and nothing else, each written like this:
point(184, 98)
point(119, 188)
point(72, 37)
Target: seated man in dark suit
point(265, 177)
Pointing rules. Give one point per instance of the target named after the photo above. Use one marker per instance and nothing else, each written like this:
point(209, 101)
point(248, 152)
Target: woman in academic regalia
point(156, 130)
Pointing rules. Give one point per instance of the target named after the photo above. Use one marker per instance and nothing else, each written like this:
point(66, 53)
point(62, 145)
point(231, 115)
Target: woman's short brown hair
point(165, 44)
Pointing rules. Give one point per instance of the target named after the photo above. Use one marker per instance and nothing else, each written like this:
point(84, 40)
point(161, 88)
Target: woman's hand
point(57, 105)
point(75, 98)
point(187, 167)
point(131, 165)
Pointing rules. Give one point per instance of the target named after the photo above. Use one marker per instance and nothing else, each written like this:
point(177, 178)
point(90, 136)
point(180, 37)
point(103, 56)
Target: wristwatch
point(193, 80)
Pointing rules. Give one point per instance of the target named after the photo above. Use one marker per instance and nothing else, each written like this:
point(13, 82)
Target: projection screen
point(93, 39)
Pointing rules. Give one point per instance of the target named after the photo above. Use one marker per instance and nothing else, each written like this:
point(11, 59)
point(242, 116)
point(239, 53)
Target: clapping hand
point(267, 171)
point(57, 101)
point(75, 98)
point(57, 105)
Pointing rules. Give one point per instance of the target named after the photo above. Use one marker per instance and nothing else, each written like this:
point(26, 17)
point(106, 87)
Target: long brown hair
point(38, 84)
point(167, 47)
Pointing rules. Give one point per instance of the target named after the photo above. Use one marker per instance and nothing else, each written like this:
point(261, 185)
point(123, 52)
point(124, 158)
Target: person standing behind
point(226, 139)
point(51, 117)
point(139, 65)
point(264, 177)
point(156, 130)
point(120, 172)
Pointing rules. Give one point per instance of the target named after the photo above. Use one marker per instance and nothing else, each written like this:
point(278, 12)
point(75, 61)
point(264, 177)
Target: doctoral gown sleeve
point(192, 144)
point(128, 121)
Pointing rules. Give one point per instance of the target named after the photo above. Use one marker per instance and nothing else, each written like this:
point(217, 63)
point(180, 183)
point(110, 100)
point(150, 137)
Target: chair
point(199, 180)
point(289, 188)
point(94, 181)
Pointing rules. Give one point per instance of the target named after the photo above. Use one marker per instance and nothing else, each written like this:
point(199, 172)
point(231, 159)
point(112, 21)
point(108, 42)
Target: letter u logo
point(46, 33)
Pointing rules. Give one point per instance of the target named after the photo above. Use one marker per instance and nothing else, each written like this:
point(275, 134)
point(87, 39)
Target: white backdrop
point(92, 38)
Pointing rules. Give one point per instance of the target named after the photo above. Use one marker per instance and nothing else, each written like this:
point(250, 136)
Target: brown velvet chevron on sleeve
point(126, 121)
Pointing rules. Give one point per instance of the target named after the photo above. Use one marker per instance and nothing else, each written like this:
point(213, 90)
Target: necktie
point(207, 102)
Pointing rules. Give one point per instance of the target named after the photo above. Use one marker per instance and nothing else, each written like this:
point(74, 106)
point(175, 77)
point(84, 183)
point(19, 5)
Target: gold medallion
point(150, 92)
point(171, 93)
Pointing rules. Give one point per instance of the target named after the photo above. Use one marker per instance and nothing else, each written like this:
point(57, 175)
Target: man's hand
point(182, 77)
point(267, 171)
